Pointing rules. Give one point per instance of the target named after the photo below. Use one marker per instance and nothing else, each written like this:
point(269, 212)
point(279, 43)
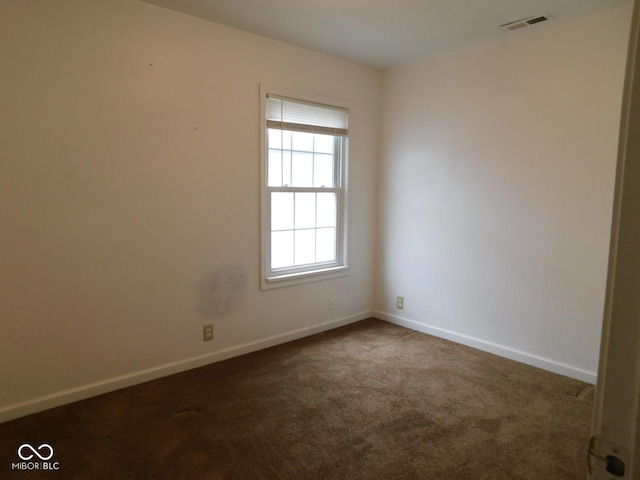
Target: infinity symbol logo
point(29, 456)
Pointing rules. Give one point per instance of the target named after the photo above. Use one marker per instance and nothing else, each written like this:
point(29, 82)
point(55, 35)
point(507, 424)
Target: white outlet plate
point(400, 303)
point(332, 303)
point(207, 332)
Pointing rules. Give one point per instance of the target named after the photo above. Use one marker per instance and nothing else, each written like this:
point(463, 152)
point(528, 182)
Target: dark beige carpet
point(368, 401)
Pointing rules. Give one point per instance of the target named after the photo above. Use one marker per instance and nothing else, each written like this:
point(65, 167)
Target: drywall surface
point(129, 195)
point(496, 188)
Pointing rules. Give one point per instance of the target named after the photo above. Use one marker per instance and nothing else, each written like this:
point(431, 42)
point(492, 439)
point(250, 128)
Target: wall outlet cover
point(207, 332)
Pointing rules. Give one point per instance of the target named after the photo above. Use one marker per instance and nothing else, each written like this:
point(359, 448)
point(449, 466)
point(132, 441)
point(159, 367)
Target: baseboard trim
point(82, 392)
point(501, 350)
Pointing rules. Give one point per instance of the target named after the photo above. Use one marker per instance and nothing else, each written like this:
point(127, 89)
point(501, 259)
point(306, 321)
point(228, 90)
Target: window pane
point(323, 143)
point(305, 210)
point(302, 141)
point(275, 138)
point(275, 168)
point(326, 210)
point(279, 139)
point(323, 170)
point(286, 139)
point(281, 211)
point(326, 244)
point(286, 167)
point(305, 246)
point(302, 170)
point(281, 249)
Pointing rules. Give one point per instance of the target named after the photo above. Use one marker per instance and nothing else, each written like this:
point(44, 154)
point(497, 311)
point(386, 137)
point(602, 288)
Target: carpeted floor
point(368, 401)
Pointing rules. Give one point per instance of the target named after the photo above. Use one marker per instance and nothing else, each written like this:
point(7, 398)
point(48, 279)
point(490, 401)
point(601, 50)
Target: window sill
point(285, 280)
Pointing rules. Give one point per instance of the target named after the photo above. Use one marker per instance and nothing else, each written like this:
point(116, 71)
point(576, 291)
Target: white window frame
point(318, 271)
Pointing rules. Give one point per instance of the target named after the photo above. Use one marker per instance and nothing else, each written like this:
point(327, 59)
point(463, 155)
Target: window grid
point(288, 152)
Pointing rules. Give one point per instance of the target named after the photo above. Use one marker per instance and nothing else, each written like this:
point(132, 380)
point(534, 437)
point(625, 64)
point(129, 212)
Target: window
point(303, 188)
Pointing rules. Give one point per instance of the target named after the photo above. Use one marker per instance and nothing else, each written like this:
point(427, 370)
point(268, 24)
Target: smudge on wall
point(221, 290)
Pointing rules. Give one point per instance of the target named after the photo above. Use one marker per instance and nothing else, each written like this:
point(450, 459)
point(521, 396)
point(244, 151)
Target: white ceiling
point(384, 33)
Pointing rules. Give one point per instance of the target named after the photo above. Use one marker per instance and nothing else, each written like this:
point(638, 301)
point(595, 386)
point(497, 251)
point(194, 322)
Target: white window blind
point(286, 114)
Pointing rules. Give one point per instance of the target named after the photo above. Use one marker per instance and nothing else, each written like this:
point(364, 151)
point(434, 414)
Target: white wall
point(496, 186)
point(130, 176)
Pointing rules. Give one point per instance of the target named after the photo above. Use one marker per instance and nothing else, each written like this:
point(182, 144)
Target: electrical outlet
point(332, 303)
point(400, 303)
point(207, 332)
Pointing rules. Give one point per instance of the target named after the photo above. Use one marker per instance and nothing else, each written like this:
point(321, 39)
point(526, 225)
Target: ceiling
point(384, 33)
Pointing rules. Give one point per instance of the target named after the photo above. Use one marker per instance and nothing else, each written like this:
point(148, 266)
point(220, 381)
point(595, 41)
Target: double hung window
point(304, 159)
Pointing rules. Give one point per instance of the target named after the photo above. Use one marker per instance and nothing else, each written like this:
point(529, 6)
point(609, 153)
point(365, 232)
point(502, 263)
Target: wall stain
point(221, 290)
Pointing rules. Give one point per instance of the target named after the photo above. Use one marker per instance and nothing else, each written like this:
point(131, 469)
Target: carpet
point(370, 400)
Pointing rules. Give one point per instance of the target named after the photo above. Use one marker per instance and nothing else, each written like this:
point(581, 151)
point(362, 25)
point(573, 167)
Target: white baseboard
point(82, 392)
point(501, 350)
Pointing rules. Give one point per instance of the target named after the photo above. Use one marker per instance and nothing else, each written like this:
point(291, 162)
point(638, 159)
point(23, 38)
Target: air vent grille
point(525, 22)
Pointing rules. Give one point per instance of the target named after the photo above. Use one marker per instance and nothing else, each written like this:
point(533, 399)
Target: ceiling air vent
point(525, 22)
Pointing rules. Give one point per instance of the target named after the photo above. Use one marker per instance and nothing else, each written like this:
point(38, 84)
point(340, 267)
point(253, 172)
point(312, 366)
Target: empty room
point(308, 239)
